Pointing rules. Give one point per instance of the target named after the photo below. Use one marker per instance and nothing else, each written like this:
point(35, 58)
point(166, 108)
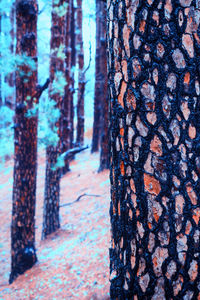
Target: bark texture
point(81, 76)
point(51, 220)
point(23, 253)
point(104, 142)
point(155, 140)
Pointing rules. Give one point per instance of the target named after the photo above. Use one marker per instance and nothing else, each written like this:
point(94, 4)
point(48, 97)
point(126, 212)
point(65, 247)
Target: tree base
point(23, 262)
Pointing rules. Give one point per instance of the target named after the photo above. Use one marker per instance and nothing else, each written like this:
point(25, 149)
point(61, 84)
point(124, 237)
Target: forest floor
point(73, 263)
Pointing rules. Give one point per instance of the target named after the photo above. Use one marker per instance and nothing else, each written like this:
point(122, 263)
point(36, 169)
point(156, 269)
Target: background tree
point(155, 134)
point(98, 80)
point(81, 76)
point(73, 65)
point(51, 220)
point(104, 137)
point(23, 252)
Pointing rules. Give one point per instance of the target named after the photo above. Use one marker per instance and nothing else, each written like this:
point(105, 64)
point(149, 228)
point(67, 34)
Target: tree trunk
point(23, 253)
point(155, 149)
point(81, 77)
point(97, 124)
point(1, 102)
point(73, 65)
point(66, 111)
point(104, 155)
point(10, 78)
point(51, 220)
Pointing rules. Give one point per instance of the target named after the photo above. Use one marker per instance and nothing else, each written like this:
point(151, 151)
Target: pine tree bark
point(81, 77)
point(97, 124)
point(51, 220)
point(104, 142)
point(23, 253)
point(155, 149)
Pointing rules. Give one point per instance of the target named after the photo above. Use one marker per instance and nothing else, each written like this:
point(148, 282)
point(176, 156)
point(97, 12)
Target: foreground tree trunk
point(51, 220)
point(25, 166)
point(104, 141)
point(155, 140)
point(81, 77)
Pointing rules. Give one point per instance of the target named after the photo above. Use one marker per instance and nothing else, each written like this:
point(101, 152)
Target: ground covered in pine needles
point(73, 263)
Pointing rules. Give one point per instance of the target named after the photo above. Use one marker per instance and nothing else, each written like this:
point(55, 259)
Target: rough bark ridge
point(104, 155)
point(51, 220)
point(81, 77)
point(23, 254)
point(66, 106)
point(97, 94)
point(154, 49)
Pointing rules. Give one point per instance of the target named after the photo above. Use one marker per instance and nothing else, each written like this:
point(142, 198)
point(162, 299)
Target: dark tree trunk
point(10, 78)
point(73, 65)
point(104, 155)
point(51, 220)
point(66, 111)
point(97, 124)
point(81, 77)
point(23, 253)
point(153, 74)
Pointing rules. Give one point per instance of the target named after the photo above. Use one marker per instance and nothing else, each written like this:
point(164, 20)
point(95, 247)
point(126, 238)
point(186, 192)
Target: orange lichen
point(121, 94)
point(196, 215)
point(187, 78)
point(130, 99)
point(122, 168)
point(156, 145)
point(142, 26)
point(151, 184)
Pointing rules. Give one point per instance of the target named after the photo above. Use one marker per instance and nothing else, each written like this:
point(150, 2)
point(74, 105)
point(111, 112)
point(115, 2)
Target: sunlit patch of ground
point(72, 263)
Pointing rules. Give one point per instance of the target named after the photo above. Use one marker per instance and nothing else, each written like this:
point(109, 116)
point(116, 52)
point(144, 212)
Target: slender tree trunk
point(51, 220)
point(1, 102)
point(73, 65)
point(155, 147)
point(23, 253)
point(104, 154)
point(81, 77)
point(10, 78)
point(97, 124)
point(66, 111)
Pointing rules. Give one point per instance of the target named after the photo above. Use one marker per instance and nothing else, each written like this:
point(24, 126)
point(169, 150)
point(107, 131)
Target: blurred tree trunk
point(66, 111)
point(73, 65)
point(23, 254)
point(104, 139)
point(81, 76)
point(10, 78)
point(153, 73)
point(97, 124)
point(51, 220)
point(1, 102)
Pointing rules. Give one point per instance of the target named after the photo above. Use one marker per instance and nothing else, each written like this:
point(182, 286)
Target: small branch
point(71, 152)
point(90, 59)
point(41, 89)
point(78, 199)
